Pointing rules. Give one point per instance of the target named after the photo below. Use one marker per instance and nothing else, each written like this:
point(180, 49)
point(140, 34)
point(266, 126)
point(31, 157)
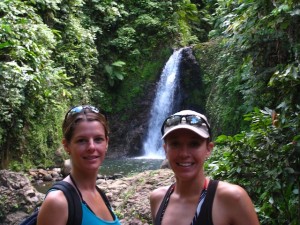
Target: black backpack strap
point(163, 205)
point(205, 216)
point(74, 202)
point(32, 219)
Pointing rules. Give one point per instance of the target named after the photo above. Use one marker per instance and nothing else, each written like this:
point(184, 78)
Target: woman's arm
point(156, 198)
point(233, 206)
point(54, 209)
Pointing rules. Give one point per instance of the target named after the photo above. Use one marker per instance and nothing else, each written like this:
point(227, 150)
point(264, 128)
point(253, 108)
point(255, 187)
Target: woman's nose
point(184, 151)
point(91, 145)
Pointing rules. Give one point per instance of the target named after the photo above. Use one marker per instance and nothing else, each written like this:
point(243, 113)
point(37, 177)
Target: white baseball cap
point(185, 120)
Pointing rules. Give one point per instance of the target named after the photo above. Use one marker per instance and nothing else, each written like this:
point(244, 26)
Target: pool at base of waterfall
point(127, 166)
point(120, 167)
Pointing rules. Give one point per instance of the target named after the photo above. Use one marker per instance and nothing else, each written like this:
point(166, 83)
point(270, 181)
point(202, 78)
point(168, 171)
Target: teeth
point(185, 164)
point(91, 157)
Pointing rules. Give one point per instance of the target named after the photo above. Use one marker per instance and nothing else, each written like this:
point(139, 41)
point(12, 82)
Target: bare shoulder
point(232, 205)
point(156, 197)
point(54, 209)
point(158, 193)
point(56, 198)
point(228, 191)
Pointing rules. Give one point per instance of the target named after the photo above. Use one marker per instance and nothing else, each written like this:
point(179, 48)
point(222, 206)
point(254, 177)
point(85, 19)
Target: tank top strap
point(163, 205)
point(205, 216)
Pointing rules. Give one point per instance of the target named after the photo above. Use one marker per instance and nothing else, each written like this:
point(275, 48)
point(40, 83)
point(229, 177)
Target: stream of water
point(163, 105)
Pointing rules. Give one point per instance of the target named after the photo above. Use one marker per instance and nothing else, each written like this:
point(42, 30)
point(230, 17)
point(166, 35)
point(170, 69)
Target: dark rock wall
point(192, 90)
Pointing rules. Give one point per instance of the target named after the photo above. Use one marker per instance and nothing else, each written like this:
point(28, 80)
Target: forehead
point(183, 133)
point(88, 127)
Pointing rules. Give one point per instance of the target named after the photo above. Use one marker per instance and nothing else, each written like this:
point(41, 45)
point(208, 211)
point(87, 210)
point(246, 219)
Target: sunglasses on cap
point(189, 119)
point(80, 108)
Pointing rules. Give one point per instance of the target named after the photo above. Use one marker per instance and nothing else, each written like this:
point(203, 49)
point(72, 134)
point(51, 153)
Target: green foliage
point(187, 14)
point(31, 84)
point(224, 85)
point(115, 72)
point(76, 51)
point(264, 35)
point(257, 43)
point(265, 161)
point(256, 64)
point(288, 80)
point(125, 40)
point(132, 28)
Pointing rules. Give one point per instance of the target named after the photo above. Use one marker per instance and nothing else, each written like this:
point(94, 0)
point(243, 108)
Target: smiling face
point(87, 146)
point(187, 152)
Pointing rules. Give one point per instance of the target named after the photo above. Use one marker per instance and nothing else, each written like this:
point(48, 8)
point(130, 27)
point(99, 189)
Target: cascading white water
point(162, 107)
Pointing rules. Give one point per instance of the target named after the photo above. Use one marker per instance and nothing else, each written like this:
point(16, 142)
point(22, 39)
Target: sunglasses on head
point(189, 119)
point(80, 108)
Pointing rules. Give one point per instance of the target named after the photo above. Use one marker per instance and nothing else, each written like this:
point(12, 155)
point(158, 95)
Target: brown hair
point(70, 122)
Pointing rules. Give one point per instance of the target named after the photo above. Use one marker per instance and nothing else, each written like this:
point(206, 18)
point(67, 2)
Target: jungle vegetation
point(56, 53)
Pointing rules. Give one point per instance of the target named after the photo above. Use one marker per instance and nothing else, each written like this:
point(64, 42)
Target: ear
point(210, 146)
point(65, 144)
point(107, 139)
point(165, 148)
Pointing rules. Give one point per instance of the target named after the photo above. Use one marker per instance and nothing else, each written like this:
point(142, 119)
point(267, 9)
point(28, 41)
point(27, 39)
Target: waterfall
point(163, 105)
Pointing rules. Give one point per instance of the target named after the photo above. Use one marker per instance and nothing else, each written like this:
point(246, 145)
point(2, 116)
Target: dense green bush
point(265, 161)
point(31, 84)
point(256, 66)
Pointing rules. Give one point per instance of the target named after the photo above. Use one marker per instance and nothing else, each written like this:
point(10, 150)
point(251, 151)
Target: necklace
point(100, 192)
point(73, 181)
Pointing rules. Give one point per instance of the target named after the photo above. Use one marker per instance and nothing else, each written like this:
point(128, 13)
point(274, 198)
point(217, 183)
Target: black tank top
point(205, 215)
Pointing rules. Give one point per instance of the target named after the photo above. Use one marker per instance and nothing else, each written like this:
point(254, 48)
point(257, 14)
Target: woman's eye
point(194, 144)
point(174, 144)
point(81, 140)
point(99, 139)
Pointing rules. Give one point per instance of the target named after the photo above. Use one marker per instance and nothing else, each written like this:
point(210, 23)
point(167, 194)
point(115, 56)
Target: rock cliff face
point(17, 197)
point(129, 196)
point(127, 135)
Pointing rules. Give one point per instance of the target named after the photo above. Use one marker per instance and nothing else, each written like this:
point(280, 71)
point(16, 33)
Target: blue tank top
point(89, 218)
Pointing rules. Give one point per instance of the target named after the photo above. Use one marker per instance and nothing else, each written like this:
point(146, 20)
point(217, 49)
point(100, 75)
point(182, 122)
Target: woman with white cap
point(195, 198)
